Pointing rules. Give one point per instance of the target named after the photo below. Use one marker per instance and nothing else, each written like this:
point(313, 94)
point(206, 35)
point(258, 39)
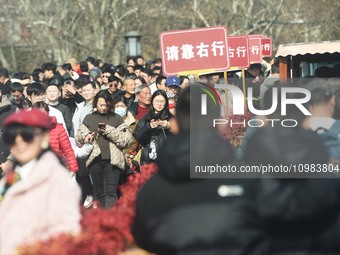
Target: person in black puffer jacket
point(153, 128)
point(300, 213)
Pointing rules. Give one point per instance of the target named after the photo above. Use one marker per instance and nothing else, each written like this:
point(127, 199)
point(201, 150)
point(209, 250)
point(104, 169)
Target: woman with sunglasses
point(153, 128)
point(38, 199)
point(106, 74)
point(109, 135)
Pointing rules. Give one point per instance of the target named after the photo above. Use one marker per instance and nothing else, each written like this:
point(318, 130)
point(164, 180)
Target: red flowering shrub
point(103, 231)
point(234, 132)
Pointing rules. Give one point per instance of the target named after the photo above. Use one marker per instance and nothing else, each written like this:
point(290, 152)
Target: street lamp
point(133, 44)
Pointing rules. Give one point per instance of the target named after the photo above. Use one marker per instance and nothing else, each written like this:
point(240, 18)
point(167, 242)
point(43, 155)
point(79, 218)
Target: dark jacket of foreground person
point(267, 216)
point(271, 216)
point(179, 215)
point(300, 215)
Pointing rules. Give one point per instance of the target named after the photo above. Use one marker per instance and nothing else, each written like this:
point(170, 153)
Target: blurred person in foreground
point(299, 209)
point(179, 215)
point(38, 198)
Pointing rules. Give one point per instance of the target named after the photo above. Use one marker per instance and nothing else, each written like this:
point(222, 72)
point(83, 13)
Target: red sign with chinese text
point(238, 52)
point(266, 46)
point(191, 50)
point(255, 49)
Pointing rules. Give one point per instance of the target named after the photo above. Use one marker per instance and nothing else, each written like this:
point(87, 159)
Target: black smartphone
point(101, 125)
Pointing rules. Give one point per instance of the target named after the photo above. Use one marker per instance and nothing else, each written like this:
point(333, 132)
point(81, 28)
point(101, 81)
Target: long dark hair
point(165, 113)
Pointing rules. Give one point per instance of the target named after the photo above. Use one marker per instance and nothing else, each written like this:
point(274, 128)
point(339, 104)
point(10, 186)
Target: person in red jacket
point(59, 140)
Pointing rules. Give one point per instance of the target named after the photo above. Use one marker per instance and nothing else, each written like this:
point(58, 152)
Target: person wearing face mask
point(120, 108)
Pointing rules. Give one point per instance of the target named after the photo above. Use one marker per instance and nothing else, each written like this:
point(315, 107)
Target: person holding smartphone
point(69, 95)
point(109, 135)
point(154, 127)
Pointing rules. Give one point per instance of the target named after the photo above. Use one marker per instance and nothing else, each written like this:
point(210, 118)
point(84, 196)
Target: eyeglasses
point(27, 134)
point(113, 84)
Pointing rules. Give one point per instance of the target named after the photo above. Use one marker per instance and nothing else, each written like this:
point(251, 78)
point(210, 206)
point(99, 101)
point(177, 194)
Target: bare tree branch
point(274, 17)
point(199, 14)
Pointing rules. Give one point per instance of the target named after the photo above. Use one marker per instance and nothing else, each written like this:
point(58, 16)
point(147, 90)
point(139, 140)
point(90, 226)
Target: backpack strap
point(321, 130)
point(335, 129)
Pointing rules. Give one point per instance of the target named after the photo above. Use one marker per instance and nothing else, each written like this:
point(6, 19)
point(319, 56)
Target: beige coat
point(120, 138)
point(43, 205)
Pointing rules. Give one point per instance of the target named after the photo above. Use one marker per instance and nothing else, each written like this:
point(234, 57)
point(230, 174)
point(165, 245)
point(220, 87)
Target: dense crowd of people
point(90, 99)
point(71, 134)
